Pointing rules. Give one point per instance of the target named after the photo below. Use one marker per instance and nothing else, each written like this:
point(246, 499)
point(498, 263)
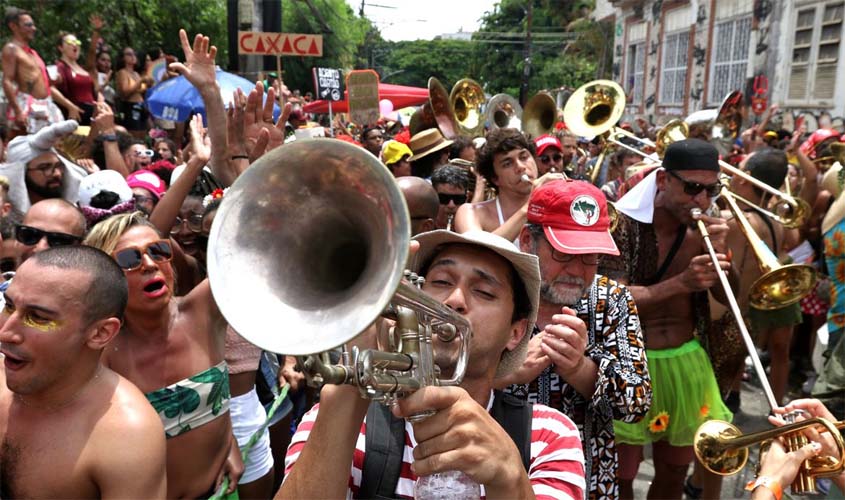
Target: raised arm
point(199, 69)
point(103, 123)
point(91, 56)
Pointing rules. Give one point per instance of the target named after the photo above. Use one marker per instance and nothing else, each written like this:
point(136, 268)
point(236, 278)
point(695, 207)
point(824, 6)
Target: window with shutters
point(731, 40)
point(635, 73)
point(815, 53)
point(674, 75)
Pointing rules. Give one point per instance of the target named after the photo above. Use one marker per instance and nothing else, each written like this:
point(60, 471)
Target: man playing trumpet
point(667, 270)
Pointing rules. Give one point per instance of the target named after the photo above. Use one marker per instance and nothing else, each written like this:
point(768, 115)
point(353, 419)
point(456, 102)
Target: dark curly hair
point(499, 141)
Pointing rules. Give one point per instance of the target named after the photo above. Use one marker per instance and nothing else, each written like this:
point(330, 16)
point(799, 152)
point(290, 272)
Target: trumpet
point(314, 237)
point(723, 449)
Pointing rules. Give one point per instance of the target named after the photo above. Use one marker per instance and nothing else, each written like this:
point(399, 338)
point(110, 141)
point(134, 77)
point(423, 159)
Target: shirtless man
point(70, 427)
point(665, 266)
point(25, 81)
point(507, 163)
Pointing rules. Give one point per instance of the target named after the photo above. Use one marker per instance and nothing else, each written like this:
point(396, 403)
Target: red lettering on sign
point(313, 49)
point(296, 45)
point(244, 47)
point(259, 47)
point(272, 42)
point(286, 48)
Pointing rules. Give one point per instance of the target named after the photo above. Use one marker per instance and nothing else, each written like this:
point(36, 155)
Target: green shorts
point(775, 318)
point(684, 395)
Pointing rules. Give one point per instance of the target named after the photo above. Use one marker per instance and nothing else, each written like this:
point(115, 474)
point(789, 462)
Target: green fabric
point(684, 395)
point(765, 320)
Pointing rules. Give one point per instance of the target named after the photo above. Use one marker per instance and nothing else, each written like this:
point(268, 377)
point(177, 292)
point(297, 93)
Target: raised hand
point(96, 22)
point(199, 66)
point(200, 143)
point(260, 133)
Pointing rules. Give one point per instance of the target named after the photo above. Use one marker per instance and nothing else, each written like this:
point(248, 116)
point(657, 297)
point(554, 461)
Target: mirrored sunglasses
point(130, 259)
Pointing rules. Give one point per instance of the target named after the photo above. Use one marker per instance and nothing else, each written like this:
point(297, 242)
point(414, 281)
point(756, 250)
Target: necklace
point(65, 403)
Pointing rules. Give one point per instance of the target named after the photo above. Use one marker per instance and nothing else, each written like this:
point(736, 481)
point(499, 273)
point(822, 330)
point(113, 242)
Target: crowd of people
point(597, 328)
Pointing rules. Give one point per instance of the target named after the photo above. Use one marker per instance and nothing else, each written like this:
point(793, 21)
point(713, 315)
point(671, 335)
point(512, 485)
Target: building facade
point(676, 57)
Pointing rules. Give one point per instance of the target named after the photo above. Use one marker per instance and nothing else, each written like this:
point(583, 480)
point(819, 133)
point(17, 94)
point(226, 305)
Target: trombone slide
point(746, 337)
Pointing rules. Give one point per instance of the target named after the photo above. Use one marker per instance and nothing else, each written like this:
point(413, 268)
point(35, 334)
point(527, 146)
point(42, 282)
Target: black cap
point(691, 154)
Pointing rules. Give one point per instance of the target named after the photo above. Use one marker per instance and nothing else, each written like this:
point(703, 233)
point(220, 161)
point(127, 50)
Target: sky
point(423, 19)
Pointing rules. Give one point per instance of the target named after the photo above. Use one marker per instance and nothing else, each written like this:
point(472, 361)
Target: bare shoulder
point(10, 48)
point(480, 215)
point(129, 410)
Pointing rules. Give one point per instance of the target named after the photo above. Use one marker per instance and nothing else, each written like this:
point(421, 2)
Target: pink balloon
point(385, 107)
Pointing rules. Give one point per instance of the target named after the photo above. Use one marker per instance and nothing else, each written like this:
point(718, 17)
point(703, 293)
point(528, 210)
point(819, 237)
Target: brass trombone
point(539, 115)
point(436, 113)
point(504, 111)
point(723, 449)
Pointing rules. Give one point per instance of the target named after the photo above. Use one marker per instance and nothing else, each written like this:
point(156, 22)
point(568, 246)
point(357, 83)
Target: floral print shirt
point(623, 387)
point(834, 254)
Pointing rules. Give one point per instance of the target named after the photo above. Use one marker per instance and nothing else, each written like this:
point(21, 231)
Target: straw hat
point(426, 142)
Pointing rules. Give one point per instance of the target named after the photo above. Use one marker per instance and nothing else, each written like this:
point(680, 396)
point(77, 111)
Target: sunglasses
point(458, 199)
point(194, 224)
point(31, 236)
point(555, 157)
point(146, 152)
point(28, 25)
point(130, 259)
point(693, 188)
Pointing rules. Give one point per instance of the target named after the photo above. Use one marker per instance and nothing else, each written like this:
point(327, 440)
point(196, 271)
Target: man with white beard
point(586, 357)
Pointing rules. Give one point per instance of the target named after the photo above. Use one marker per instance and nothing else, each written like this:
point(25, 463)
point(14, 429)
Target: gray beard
point(550, 294)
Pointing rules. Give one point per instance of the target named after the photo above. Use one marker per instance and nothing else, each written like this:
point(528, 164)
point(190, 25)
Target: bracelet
point(109, 137)
point(767, 482)
point(240, 157)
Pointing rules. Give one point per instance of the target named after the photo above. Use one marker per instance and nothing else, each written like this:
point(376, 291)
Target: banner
point(328, 85)
point(362, 86)
point(279, 44)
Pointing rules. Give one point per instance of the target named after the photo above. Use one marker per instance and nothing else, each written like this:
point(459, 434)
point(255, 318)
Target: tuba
point(720, 126)
point(436, 113)
point(504, 111)
point(539, 115)
point(467, 98)
point(308, 249)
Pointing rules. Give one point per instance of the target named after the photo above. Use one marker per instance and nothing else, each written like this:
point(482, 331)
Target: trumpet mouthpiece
point(525, 178)
point(695, 212)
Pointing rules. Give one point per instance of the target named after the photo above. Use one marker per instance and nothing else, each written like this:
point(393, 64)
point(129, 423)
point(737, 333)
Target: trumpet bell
point(783, 286)
point(308, 246)
point(594, 108)
point(713, 456)
point(674, 131)
point(503, 111)
point(539, 115)
point(467, 98)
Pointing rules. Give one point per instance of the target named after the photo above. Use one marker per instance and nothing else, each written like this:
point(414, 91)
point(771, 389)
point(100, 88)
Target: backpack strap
point(385, 445)
point(515, 416)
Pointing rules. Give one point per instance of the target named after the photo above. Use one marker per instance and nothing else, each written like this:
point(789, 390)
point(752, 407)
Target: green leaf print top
point(192, 402)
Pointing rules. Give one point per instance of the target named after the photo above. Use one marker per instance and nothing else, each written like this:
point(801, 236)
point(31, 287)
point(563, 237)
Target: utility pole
point(526, 72)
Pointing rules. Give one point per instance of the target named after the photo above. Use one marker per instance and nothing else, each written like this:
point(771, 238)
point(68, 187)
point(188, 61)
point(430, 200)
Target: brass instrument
point(593, 110)
point(780, 285)
point(449, 219)
point(789, 211)
point(504, 111)
point(721, 125)
point(466, 98)
point(539, 115)
point(308, 249)
point(436, 113)
point(722, 449)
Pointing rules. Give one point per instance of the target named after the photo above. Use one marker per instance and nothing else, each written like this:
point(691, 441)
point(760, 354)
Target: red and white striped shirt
point(556, 468)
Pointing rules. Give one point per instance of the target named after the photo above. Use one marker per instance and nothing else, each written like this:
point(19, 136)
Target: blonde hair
point(107, 233)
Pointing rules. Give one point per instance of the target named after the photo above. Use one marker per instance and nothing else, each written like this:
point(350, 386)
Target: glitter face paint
point(43, 325)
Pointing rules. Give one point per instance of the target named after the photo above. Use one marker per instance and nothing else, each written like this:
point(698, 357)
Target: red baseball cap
point(545, 141)
point(574, 217)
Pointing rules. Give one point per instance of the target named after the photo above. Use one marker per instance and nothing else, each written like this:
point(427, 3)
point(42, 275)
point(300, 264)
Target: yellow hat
point(393, 151)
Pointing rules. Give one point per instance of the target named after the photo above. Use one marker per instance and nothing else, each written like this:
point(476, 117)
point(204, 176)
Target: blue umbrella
point(177, 99)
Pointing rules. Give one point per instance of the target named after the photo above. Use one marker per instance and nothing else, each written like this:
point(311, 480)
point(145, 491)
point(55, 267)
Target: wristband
point(240, 157)
point(109, 137)
point(767, 482)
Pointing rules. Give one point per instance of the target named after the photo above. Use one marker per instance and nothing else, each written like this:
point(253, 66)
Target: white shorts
point(247, 417)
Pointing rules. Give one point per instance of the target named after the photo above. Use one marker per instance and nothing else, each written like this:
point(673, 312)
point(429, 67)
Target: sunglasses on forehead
point(459, 199)
point(30, 236)
point(693, 188)
point(130, 259)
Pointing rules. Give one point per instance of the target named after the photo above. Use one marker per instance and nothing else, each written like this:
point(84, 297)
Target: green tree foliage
point(141, 24)
point(568, 50)
point(412, 63)
point(341, 43)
